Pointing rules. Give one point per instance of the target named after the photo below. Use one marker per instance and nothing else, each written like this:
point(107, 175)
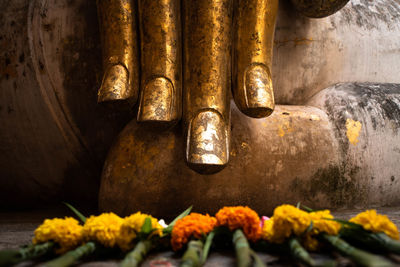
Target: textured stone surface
point(357, 44)
point(53, 133)
point(16, 229)
point(342, 154)
point(269, 160)
point(366, 119)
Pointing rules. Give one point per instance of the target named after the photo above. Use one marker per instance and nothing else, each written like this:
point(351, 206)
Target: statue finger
point(161, 61)
point(252, 56)
point(318, 8)
point(117, 20)
point(207, 74)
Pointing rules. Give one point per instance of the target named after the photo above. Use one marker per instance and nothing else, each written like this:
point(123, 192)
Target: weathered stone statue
point(333, 140)
point(223, 41)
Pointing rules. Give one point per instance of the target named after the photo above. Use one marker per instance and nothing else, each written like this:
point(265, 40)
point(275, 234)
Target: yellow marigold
point(103, 229)
point(67, 233)
point(322, 223)
point(289, 220)
point(195, 224)
point(131, 227)
point(374, 222)
point(267, 232)
point(310, 243)
point(240, 217)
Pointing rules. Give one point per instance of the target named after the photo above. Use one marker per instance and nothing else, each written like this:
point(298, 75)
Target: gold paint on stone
point(353, 130)
point(207, 66)
point(252, 59)
point(115, 84)
point(119, 50)
point(161, 57)
point(207, 143)
point(156, 101)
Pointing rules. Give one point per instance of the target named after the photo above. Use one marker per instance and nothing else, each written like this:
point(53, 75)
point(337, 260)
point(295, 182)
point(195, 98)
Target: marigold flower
point(195, 224)
point(240, 217)
point(267, 232)
point(67, 233)
point(376, 223)
point(132, 226)
point(103, 229)
point(323, 223)
point(310, 243)
point(289, 219)
point(286, 220)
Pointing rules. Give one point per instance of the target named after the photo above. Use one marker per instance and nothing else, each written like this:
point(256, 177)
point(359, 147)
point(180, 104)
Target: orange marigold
point(240, 217)
point(195, 224)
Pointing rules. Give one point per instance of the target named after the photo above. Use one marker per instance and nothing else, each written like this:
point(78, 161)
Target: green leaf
point(146, 227)
point(309, 228)
point(169, 228)
point(77, 213)
point(349, 224)
point(307, 208)
point(207, 246)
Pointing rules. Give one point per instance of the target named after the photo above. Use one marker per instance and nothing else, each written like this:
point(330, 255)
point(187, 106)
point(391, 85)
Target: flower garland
point(290, 228)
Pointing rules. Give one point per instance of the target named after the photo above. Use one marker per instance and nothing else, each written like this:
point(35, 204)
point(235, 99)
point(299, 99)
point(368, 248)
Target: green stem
point(373, 241)
point(207, 246)
point(299, 253)
point(242, 249)
point(13, 256)
point(72, 256)
point(359, 256)
point(385, 241)
point(245, 256)
point(137, 255)
point(193, 254)
point(257, 261)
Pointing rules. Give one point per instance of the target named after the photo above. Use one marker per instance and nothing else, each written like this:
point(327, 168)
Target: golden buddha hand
point(223, 41)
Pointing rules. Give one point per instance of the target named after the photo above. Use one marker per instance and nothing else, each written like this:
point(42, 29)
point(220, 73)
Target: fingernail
point(207, 142)
point(259, 92)
point(115, 85)
point(156, 101)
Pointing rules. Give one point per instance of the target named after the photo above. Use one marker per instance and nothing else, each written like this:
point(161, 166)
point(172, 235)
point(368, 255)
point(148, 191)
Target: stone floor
point(16, 229)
